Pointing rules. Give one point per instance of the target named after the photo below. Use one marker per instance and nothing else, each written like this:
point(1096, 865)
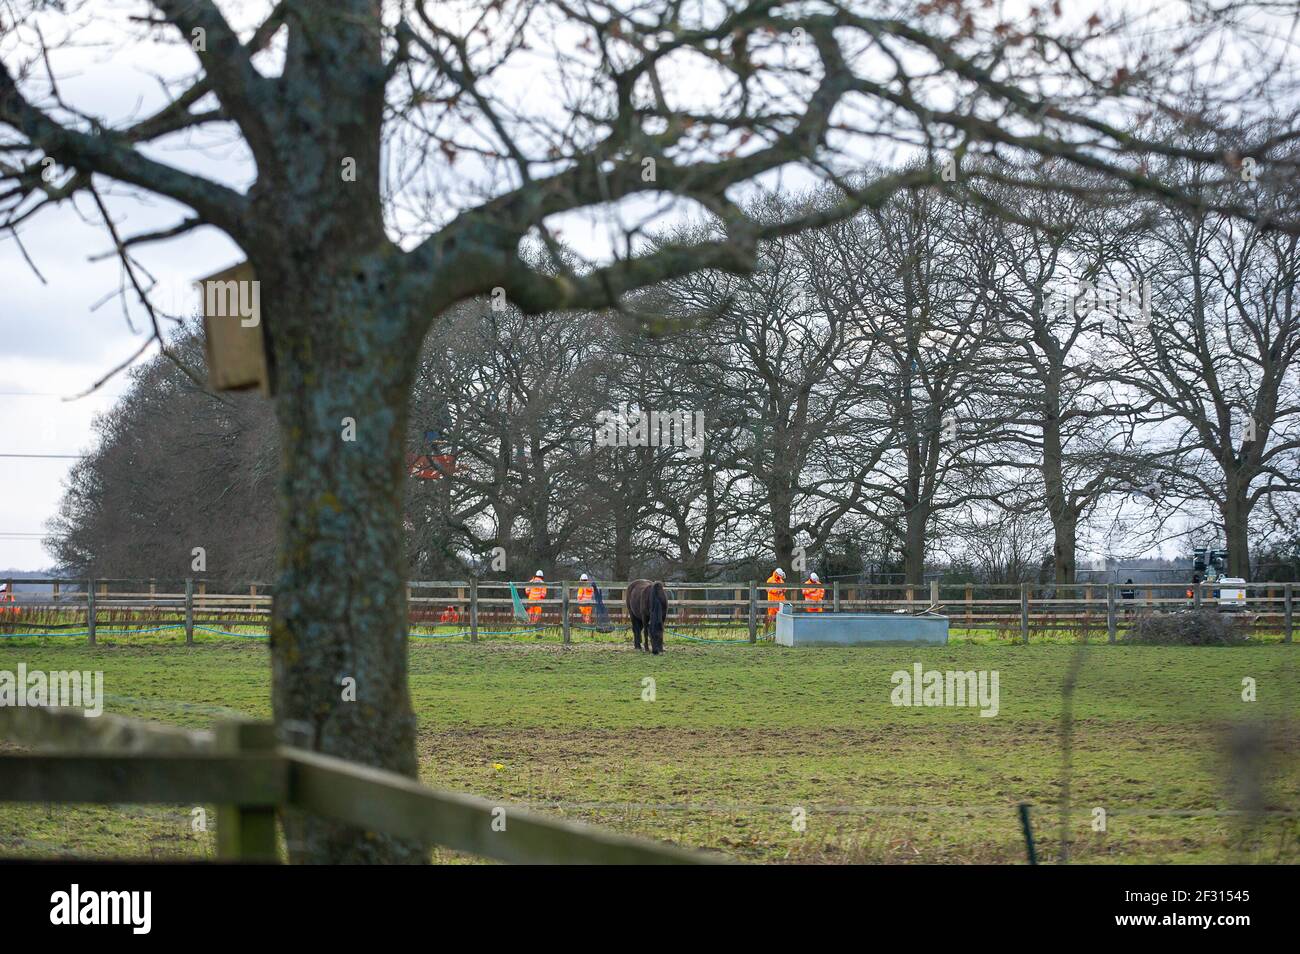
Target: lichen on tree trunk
point(339, 630)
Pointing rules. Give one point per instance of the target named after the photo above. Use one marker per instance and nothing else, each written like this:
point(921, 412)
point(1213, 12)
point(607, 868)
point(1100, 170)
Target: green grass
point(150, 627)
point(739, 735)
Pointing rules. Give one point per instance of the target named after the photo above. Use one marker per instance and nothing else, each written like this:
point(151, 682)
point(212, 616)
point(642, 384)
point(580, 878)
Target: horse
point(647, 605)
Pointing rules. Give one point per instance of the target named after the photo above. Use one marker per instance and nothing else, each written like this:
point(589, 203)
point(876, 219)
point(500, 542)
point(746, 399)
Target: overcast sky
point(54, 341)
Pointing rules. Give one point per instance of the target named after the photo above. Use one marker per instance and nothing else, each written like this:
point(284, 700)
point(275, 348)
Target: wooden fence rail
point(250, 778)
point(1018, 608)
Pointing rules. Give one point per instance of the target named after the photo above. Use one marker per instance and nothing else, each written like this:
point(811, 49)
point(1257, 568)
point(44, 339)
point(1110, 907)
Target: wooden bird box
point(234, 330)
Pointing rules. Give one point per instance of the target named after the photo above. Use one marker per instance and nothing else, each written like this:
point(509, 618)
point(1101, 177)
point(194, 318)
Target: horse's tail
point(658, 607)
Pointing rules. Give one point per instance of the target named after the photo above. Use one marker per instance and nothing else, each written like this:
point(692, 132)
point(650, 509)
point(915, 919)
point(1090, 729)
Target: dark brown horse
point(647, 605)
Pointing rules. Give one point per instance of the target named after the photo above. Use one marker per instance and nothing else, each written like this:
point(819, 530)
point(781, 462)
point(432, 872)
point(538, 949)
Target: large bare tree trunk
point(338, 638)
point(1063, 549)
point(622, 566)
point(1064, 518)
point(914, 544)
point(781, 508)
point(916, 517)
point(1236, 527)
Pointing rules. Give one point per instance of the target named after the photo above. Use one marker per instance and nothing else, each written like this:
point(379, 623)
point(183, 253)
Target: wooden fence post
point(753, 611)
point(835, 594)
point(970, 598)
point(1287, 594)
point(252, 591)
point(1197, 595)
point(934, 593)
point(564, 610)
point(189, 611)
point(55, 593)
point(1110, 613)
point(473, 610)
point(1024, 613)
point(90, 612)
point(246, 833)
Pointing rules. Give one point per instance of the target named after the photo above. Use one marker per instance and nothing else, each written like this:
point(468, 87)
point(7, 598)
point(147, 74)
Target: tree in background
point(174, 469)
point(926, 297)
point(1072, 424)
point(786, 363)
point(1220, 357)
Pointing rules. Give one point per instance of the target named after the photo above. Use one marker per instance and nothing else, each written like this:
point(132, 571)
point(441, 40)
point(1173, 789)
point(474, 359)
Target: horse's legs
point(660, 609)
point(636, 633)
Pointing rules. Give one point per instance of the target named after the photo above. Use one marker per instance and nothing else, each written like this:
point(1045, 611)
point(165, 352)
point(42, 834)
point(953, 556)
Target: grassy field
point(738, 736)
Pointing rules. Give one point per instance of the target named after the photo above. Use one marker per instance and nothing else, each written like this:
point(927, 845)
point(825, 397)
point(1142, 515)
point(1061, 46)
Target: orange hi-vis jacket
point(585, 595)
point(813, 593)
point(775, 595)
point(537, 592)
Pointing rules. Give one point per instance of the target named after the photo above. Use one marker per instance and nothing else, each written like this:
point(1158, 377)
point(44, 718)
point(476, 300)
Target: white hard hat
point(813, 577)
point(583, 577)
point(539, 573)
point(780, 572)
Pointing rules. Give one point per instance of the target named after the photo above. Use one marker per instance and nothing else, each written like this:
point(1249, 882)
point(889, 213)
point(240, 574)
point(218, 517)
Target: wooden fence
point(241, 769)
point(481, 607)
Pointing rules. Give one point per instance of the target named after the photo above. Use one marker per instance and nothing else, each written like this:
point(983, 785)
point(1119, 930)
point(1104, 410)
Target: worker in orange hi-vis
point(7, 596)
point(775, 594)
point(813, 592)
point(536, 592)
point(586, 593)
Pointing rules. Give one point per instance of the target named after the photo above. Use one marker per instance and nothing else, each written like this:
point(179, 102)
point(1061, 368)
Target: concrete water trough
point(860, 629)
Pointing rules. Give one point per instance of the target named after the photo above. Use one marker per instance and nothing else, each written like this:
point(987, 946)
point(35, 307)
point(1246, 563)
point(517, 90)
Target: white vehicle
point(1231, 592)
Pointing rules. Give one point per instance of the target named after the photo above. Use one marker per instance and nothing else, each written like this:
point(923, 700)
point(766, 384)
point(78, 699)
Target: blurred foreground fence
point(481, 608)
point(250, 778)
